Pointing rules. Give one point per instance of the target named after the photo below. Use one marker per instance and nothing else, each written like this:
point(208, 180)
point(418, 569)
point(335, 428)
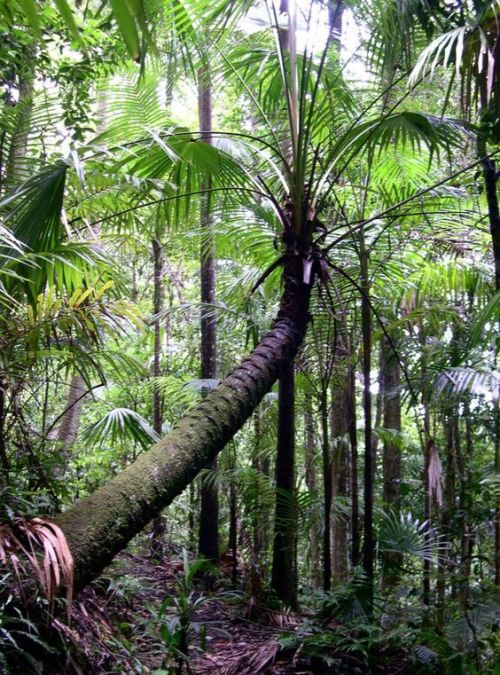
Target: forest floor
point(117, 625)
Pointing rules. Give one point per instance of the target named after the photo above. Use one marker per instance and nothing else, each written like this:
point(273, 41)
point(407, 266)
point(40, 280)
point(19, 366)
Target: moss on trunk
point(101, 525)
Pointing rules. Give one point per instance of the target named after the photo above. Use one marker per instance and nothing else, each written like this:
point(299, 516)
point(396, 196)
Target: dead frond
point(435, 474)
point(249, 659)
point(43, 545)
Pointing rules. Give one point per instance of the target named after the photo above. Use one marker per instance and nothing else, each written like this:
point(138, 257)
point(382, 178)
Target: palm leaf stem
point(359, 224)
point(360, 148)
point(160, 200)
point(178, 134)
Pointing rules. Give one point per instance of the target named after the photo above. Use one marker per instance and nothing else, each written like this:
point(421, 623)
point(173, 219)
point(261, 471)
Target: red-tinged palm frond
point(42, 544)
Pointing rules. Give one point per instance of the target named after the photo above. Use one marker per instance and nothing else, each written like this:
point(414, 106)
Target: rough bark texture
point(208, 542)
point(283, 578)
point(101, 525)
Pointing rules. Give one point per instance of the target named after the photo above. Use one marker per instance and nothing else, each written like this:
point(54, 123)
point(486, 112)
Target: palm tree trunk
point(327, 491)
point(340, 429)
point(353, 439)
point(208, 542)
point(4, 460)
point(497, 508)
point(70, 422)
point(158, 530)
point(366, 328)
point(391, 461)
point(311, 484)
point(283, 579)
point(101, 525)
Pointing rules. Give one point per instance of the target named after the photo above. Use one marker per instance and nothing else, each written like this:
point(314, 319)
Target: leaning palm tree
point(313, 132)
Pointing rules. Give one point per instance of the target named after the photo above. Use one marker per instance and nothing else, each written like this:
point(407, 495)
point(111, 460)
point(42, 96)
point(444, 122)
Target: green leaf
point(123, 425)
point(31, 10)
point(127, 24)
point(69, 19)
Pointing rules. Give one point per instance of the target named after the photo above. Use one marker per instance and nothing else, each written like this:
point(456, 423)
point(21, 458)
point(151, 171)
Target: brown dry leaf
point(39, 538)
point(254, 660)
point(281, 619)
point(435, 474)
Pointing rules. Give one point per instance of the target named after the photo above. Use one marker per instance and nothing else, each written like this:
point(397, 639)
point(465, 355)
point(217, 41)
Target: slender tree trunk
point(13, 174)
point(391, 396)
point(335, 12)
point(327, 491)
point(258, 531)
point(447, 515)
point(353, 439)
point(158, 531)
point(366, 328)
point(311, 484)
point(208, 543)
point(101, 525)
point(497, 508)
point(465, 507)
point(4, 460)
point(283, 579)
point(491, 177)
point(340, 430)
point(70, 422)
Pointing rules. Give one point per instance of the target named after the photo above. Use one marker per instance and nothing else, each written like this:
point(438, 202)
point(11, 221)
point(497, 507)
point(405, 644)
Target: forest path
point(116, 625)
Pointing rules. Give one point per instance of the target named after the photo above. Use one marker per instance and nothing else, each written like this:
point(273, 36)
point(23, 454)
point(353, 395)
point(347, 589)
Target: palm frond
point(406, 535)
point(33, 211)
point(44, 545)
point(121, 425)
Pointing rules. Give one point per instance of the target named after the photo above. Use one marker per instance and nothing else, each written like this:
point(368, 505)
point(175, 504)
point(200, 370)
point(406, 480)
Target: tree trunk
point(353, 439)
point(327, 491)
point(101, 525)
point(283, 579)
point(366, 327)
point(391, 460)
point(427, 446)
point(208, 542)
point(70, 422)
point(4, 460)
point(340, 430)
point(497, 499)
point(158, 530)
point(311, 484)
